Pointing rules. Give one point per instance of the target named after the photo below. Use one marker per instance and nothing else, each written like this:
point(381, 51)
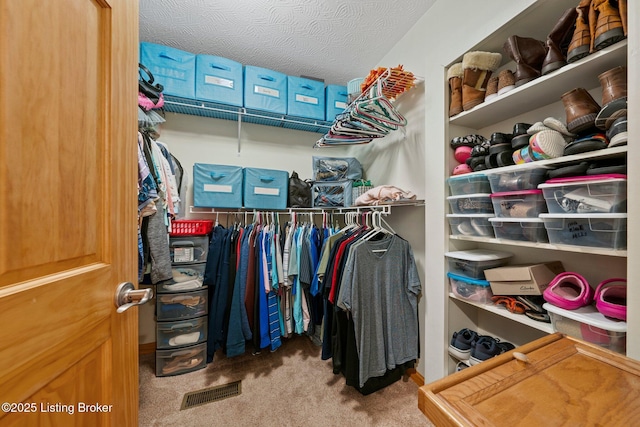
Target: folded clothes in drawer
point(181, 306)
point(188, 249)
point(186, 277)
point(181, 333)
point(180, 361)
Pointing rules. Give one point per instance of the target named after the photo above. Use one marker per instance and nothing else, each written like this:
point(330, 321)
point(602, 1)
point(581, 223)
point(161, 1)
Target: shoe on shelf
point(460, 346)
point(569, 291)
point(611, 298)
point(460, 366)
point(487, 347)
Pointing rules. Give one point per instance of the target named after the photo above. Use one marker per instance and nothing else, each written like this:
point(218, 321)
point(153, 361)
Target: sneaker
point(460, 346)
point(487, 347)
point(461, 366)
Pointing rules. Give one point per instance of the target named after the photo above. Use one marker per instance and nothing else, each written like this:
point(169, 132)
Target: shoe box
point(525, 279)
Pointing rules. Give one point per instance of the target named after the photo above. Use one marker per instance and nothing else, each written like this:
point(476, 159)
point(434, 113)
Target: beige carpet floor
point(289, 387)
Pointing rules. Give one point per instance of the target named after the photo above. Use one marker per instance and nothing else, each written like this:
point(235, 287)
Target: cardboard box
point(527, 279)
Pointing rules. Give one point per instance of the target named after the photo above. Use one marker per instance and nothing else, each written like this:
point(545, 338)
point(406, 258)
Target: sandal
point(611, 299)
point(510, 303)
point(568, 291)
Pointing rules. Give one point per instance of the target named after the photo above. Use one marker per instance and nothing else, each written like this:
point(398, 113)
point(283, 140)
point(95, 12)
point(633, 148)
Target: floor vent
point(211, 394)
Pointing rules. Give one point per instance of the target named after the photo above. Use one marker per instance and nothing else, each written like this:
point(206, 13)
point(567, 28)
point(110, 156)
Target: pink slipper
point(611, 299)
point(569, 291)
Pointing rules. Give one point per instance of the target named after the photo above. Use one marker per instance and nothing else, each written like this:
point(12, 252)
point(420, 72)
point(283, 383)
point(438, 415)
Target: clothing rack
point(384, 209)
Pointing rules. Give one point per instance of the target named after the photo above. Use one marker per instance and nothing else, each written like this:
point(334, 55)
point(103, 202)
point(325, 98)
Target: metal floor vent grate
point(211, 394)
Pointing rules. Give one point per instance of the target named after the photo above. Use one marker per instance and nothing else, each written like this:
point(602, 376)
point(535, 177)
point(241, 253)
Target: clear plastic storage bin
point(586, 194)
point(181, 333)
point(470, 289)
point(473, 184)
point(186, 277)
point(588, 324)
point(472, 263)
point(526, 179)
point(520, 229)
point(470, 225)
point(596, 230)
point(181, 306)
point(181, 360)
point(471, 204)
point(518, 204)
point(188, 249)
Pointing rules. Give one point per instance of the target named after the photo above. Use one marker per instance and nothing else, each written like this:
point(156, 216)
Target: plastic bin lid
point(468, 280)
point(479, 255)
point(583, 179)
point(470, 196)
point(478, 177)
point(510, 219)
point(488, 215)
point(584, 215)
point(589, 315)
point(526, 168)
point(516, 193)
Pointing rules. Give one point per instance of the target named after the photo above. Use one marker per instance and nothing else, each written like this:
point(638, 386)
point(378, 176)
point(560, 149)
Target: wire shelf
point(214, 110)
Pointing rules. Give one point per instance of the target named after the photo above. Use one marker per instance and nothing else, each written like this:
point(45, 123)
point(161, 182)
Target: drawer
point(188, 249)
point(186, 277)
point(181, 333)
point(520, 229)
point(595, 230)
point(518, 204)
point(586, 194)
point(471, 204)
point(470, 225)
point(181, 306)
point(180, 361)
point(474, 184)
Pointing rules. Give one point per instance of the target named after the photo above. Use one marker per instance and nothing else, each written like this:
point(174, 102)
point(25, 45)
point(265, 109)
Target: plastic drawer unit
point(588, 324)
point(471, 204)
point(469, 289)
point(595, 230)
point(470, 225)
point(586, 194)
point(520, 229)
point(174, 69)
point(181, 360)
point(181, 306)
point(217, 186)
point(305, 98)
point(219, 80)
point(186, 277)
point(181, 333)
point(526, 179)
point(265, 90)
point(475, 184)
point(472, 263)
point(518, 204)
point(188, 249)
point(265, 188)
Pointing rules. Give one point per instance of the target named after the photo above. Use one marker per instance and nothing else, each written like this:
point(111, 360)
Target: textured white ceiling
point(334, 40)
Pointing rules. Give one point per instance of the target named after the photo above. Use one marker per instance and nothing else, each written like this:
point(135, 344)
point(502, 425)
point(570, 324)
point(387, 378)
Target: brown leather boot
point(581, 40)
point(622, 7)
point(557, 41)
point(614, 96)
point(605, 24)
point(528, 55)
point(454, 75)
point(581, 109)
point(477, 68)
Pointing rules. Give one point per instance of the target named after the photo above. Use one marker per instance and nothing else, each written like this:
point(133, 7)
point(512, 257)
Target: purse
point(299, 192)
point(149, 94)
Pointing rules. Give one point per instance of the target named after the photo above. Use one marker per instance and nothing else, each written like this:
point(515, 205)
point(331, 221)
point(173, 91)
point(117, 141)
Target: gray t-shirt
point(380, 287)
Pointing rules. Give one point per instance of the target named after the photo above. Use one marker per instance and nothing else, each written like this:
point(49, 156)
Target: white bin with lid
point(472, 263)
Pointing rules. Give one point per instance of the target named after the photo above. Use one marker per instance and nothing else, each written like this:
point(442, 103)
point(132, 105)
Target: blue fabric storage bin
point(305, 98)
point(265, 90)
point(217, 186)
point(265, 188)
point(173, 68)
point(335, 101)
point(219, 80)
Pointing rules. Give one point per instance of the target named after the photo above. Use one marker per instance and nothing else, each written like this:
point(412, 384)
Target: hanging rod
point(384, 209)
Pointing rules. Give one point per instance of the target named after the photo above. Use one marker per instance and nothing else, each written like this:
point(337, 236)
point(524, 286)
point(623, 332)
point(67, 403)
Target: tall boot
point(614, 96)
point(581, 109)
point(528, 55)
point(454, 75)
point(477, 68)
point(622, 7)
point(581, 41)
point(557, 41)
point(605, 24)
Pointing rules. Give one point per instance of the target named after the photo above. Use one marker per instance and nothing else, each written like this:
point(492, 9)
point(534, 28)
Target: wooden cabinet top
point(563, 382)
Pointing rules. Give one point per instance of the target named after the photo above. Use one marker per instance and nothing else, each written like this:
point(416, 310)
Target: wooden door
point(67, 212)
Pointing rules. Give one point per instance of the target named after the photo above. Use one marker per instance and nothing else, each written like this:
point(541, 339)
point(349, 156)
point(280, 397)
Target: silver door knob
point(127, 296)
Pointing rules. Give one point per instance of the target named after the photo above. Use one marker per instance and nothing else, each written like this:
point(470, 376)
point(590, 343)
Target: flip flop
point(611, 298)
point(569, 291)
